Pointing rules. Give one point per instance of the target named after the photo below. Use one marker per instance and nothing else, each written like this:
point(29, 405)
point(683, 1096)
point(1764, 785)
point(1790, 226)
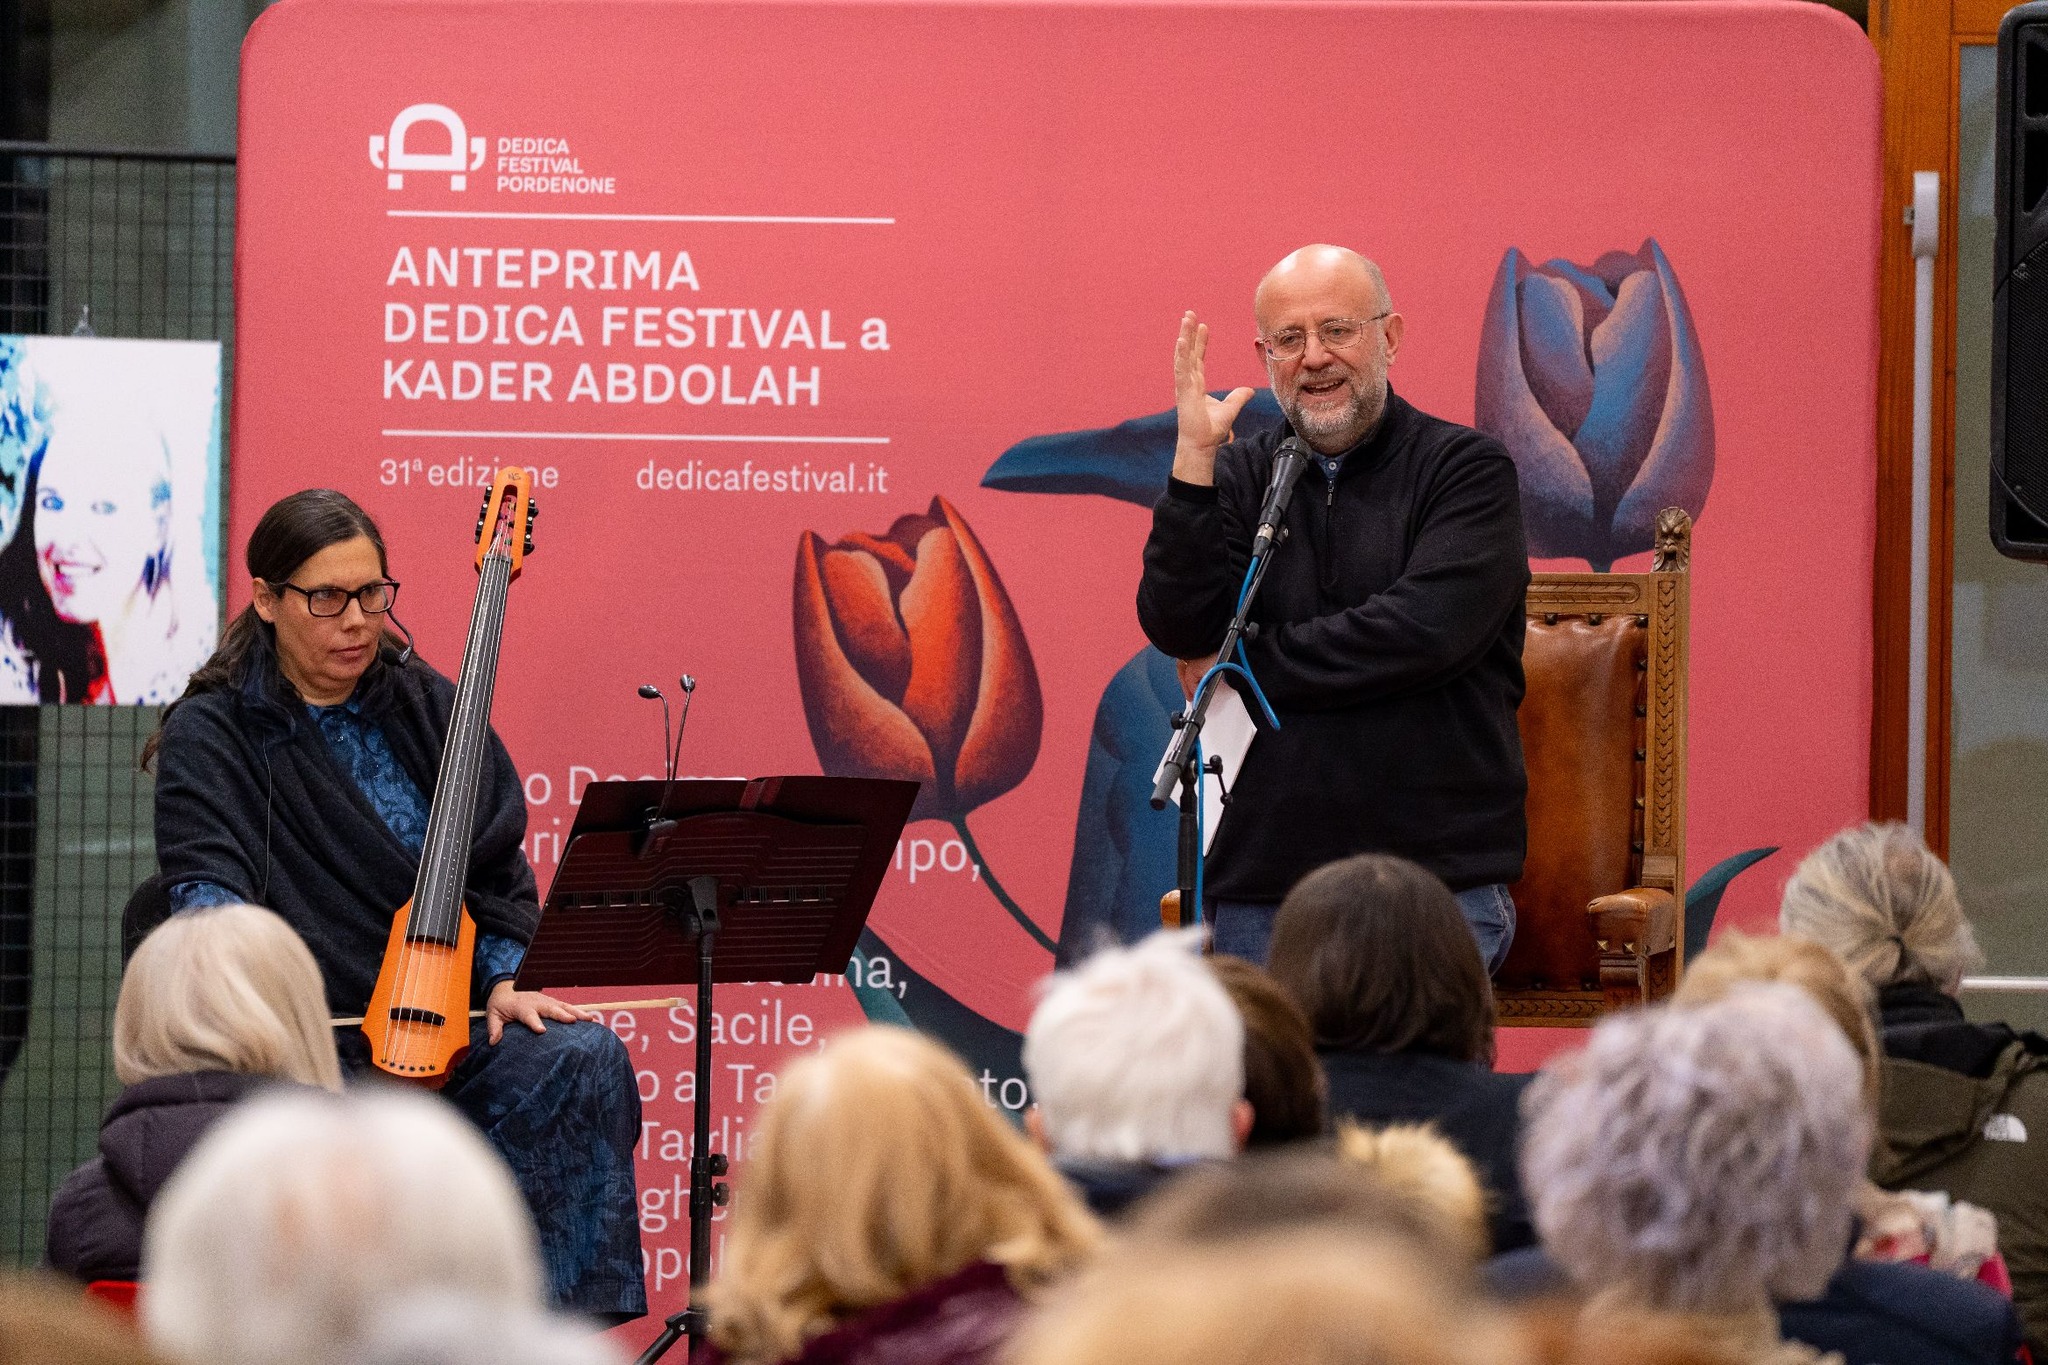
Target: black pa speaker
point(2019, 301)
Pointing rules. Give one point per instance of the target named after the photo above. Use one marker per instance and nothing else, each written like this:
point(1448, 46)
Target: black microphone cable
point(405, 657)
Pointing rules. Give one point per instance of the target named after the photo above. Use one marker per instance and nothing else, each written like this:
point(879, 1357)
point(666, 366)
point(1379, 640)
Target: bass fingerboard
point(444, 860)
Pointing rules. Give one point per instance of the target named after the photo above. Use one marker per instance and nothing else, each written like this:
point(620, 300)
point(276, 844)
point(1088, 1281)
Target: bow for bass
point(417, 1021)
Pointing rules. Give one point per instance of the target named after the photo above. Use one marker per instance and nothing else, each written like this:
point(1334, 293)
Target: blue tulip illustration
point(1592, 377)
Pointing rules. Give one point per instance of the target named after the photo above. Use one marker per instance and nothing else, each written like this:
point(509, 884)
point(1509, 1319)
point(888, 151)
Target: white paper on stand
point(1227, 733)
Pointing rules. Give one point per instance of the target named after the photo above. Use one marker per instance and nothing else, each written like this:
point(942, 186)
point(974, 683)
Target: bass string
point(455, 818)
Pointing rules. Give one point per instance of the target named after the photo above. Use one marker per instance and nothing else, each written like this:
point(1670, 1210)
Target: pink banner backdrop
point(764, 293)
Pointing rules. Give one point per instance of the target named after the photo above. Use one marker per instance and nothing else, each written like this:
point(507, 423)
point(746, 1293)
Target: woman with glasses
point(296, 772)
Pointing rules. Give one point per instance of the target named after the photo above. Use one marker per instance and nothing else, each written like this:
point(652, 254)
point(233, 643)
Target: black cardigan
point(249, 797)
point(1390, 644)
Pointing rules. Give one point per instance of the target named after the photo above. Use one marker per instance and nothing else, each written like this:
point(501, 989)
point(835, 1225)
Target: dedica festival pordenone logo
point(409, 147)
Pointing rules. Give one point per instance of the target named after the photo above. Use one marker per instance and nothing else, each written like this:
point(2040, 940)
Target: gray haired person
point(1702, 1161)
point(1964, 1108)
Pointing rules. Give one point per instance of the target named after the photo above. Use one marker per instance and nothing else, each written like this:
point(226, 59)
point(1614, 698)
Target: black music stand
point(778, 873)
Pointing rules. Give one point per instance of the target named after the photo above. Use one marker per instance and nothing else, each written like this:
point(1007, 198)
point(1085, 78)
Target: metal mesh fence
point(131, 244)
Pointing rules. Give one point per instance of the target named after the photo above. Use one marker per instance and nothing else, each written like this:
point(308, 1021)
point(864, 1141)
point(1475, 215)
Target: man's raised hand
point(1205, 422)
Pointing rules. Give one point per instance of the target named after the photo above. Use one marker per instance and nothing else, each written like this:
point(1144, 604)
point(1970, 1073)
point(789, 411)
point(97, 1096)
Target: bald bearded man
point(1389, 636)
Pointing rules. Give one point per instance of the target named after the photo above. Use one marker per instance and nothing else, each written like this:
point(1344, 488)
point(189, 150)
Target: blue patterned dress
point(562, 1107)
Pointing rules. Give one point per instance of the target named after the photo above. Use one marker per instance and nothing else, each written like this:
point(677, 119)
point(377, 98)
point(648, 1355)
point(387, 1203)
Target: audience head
point(224, 988)
point(452, 1330)
point(1701, 1158)
point(1877, 898)
point(1311, 1296)
point(1736, 958)
point(296, 1223)
point(1561, 1334)
point(1138, 1054)
point(1283, 1082)
point(48, 1322)
point(879, 1168)
point(1412, 1162)
point(1302, 1190)
point(1378, 955)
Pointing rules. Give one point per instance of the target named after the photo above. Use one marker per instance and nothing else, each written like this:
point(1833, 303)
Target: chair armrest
point(1640, 921)
point(1169, 910)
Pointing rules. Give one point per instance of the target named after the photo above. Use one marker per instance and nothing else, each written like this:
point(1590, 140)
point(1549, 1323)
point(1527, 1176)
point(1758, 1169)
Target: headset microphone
point(405, 657)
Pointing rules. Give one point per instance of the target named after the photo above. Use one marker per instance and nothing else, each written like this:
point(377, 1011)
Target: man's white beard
point(1349, 424)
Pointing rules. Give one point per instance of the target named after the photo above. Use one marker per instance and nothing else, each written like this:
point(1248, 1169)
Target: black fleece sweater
point(1389, 643)
point(250, 798)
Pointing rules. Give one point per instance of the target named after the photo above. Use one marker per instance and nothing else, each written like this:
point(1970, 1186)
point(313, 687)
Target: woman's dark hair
point(1283, 1082)
point(1378, 955)
point(296, 528)
point(67, 654)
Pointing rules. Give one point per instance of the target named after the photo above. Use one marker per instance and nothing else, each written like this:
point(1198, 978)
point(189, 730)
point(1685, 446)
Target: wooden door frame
point(1919, 45)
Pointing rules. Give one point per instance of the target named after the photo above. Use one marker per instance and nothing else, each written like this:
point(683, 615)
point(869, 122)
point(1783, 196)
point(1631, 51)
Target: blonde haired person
point(215, 1004)
point(1910, 1225)
point(1415, 1163)
point(305, 1224)
point(1877, 898)
point(43, 1321)
point(888, 1213)
point(1313, 1295)
point(1964, 1109)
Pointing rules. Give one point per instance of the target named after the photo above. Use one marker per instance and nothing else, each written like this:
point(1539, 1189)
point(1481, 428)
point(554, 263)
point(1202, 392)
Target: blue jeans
point(1245, 928)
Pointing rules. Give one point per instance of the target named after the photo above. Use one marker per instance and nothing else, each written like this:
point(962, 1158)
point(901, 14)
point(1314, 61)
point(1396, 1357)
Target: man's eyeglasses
point(1336, 334)
point(374, 598)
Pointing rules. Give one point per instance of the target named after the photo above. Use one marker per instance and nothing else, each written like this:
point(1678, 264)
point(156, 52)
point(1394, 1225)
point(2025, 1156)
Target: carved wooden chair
point(1600, 907)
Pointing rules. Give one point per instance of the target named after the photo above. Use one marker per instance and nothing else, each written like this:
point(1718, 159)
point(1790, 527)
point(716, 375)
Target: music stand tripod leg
point(707, 1191)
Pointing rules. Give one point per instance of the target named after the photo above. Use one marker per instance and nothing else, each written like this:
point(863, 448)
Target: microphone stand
point(1178, 766)
point(700, 916)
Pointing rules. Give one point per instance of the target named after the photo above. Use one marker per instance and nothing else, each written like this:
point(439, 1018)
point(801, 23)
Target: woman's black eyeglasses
point(374, 598)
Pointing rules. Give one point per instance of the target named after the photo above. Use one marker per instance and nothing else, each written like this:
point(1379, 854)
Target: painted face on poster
point(103, 516)
point(107, 578)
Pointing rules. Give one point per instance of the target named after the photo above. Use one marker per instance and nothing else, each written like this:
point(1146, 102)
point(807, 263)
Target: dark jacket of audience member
point(95, 1230)
point(963, 1319)
point(1283, 1082)
point(1378, 955)
point(1477, 1109)
point(1965, 1111)
point(1108, 1188)
point(1873, 1313)
point(214, 1003)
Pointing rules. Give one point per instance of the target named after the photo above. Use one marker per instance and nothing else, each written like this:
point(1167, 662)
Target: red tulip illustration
point(913, 665)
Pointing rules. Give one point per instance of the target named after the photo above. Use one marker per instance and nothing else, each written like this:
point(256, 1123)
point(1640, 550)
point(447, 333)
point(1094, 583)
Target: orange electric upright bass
point(418, 1018)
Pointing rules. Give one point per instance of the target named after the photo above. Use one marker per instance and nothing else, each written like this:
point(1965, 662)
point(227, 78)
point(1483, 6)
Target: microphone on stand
point(689, 686)
point(672, 752)
point(653, 693)
point(1287, 469)
point(656, 825)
